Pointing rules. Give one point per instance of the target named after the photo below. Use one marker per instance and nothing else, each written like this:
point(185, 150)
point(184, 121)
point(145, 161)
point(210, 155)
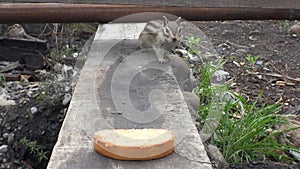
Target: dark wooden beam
point(62, 12)
point(277, 4)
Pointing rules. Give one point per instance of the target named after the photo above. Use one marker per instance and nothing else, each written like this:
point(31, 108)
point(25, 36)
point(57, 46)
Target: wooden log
point(11, 77)
point(275, 4)
point(61, 12)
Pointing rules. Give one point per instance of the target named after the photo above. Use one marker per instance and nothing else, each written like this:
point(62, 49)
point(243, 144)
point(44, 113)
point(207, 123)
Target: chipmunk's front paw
point(161, 60)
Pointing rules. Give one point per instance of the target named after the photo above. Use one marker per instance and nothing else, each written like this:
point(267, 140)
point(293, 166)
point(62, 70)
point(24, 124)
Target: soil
point(279, 54)
point(42, 127)
point(29, 129)
point(276, 74)
point(264, 165)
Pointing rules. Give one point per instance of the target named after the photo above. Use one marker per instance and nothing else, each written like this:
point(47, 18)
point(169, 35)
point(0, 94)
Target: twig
point(294, 122)
point(203, 47)
point(43, 31)
point(26, 164)
point(278, 71)
point(275, 75)
point(281, 76)
point(47, 60)
point(293, 110)
point(10, 67)
point(236, 45)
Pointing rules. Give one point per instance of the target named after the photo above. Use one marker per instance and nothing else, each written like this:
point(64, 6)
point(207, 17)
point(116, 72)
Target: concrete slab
point(123, 86)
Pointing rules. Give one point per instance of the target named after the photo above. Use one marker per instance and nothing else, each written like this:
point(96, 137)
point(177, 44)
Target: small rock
point(5, 135)
point(10, 84)
point(259, 63)
point(182, 73)
point(10, 138)
point(219, 77)
point(229, 97)
point(193, 99)
point(3, 148)
point(33, 110)
point(17, 162)
point(67, 88)
point(67, 72)
point(57, 67)
point(19, 87)
point(259, 77)
point(295, 154)
point(236, 63)
point(181, 52)
point(193, 57)
point(67, 99)
point(3, 94)
point(205, 137)
point(30, 93)
point(253, 38)
point(75, 55)
point(193, 103)
point(8, 165)
point(241, 52)
point(216, 157)
point(7, 102)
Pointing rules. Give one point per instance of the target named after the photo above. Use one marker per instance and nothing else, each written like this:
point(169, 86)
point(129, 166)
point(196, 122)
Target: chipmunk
point(295, 30)
point(17, 31)
point(162, 36)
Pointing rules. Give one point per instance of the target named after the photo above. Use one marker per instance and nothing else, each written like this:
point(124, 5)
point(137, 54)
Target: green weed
point(206, 91)
point(34, 149)
point(250, 137)
point(286, 23)
point(240, 139)
point(192, 43)
point(2, 79)
point(252, 59)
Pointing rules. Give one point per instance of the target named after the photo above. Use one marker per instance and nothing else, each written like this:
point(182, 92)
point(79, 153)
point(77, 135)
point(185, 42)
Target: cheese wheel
point(134, 144)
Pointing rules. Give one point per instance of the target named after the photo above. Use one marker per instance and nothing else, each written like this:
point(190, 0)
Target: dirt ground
point(276, 75)
point(42, 127)
point(278, 52)
point(29, 129)
point(276, 72)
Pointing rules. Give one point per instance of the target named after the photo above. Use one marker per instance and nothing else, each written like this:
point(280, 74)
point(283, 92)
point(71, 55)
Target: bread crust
point(140, 152)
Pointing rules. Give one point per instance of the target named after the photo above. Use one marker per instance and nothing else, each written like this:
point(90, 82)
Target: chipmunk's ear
point(165, 21)
point(178, 19)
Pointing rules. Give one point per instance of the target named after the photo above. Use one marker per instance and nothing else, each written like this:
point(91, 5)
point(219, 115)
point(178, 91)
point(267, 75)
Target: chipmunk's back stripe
point(153, 26)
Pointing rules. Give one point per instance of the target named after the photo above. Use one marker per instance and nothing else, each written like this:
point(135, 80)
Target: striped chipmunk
point(162, 35)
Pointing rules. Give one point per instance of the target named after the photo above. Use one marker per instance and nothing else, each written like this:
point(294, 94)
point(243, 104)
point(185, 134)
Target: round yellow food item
point(134, 144)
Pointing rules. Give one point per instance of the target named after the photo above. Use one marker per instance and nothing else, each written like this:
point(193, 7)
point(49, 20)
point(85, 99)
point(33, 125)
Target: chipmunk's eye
point(167, 30)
